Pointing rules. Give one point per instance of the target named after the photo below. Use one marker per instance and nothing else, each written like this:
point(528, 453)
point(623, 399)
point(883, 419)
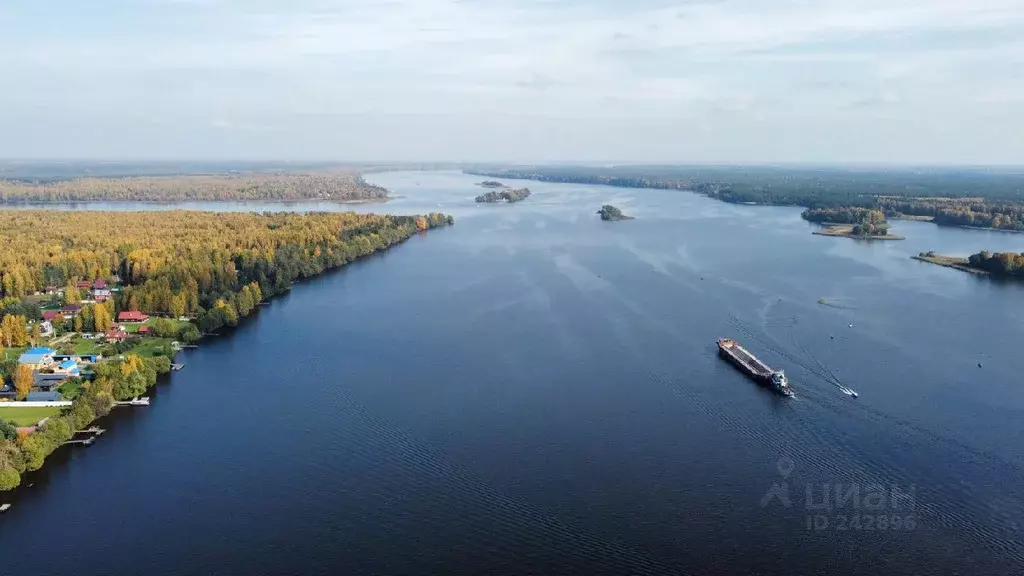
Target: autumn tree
point(37, 333)
point(102, 317)
point(14, 330)
point(77, 323)
point(23, 381)
point(71, 295)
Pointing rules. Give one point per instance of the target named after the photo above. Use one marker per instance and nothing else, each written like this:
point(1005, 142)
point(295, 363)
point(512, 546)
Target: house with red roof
point(132, 316)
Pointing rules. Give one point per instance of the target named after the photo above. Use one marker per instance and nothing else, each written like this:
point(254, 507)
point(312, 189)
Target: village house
point(69, 310)
point(131, 316)
point(83, 285)
point(44, 397)
point(39, 357)
point(46, 328)
point(51, 315)
point(99, 285)
point(51, 290)
point(47, 382)
point(67, 367)
point(116, 335)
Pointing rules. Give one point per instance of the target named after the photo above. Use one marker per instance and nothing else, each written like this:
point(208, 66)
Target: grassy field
point(29, 415)
point(150, 347)
point(70, 389)
point(13, 353)
point(83, 346)
point(132, 327)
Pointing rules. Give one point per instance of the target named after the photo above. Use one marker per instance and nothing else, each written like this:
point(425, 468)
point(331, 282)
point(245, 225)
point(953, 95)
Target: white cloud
point(891, 62)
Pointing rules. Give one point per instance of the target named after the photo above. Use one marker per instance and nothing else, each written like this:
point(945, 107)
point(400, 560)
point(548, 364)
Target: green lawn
point(70, 389)
point(13, 353)
point(149, 347)
point(131, 327)
point(83, 346)
point(28, 415)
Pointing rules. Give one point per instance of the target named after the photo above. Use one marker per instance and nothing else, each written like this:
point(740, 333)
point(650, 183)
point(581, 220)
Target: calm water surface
point(536, 391)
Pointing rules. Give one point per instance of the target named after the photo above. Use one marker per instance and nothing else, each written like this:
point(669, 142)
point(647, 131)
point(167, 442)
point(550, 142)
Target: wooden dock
point(144, 401)
point(83, 441)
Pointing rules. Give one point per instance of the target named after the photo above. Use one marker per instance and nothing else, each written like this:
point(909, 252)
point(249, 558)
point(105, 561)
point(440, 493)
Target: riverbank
point(950, 262)
point(846, 231)
point(227, 299)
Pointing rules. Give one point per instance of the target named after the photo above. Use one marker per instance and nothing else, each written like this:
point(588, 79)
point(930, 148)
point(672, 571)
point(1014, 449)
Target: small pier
point(144, 401)
point(177, 367)
point(94, 433)
point(83, 441)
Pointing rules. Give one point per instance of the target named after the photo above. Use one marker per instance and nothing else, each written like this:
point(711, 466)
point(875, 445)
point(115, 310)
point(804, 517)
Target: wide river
point(536, 391)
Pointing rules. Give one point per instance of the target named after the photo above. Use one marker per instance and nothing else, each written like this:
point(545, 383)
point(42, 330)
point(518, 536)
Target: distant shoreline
point(8, 203)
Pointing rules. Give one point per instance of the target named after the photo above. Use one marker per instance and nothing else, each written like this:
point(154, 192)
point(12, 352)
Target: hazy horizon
point(727, 82)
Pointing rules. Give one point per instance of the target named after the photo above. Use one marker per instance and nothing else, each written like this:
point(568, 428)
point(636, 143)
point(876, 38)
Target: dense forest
point(198, 264)
point(967, 197)
point(212, 267)
point(268, 186)
point(998, 263)
point(516, 195)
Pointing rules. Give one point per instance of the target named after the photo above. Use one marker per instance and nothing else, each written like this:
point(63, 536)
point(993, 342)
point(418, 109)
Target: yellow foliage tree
point(71, 295)
point(23, 381)
point(102, 318)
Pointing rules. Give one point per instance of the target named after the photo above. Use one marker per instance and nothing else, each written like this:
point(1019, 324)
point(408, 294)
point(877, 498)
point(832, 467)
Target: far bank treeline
point(953, 197)
point(266, 186)
point(213, 267)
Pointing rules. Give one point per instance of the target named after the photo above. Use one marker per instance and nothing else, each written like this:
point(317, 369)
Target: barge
point(758, 371)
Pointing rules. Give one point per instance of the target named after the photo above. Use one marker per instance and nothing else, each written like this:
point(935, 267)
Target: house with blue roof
point(69, 367)
point(39, 357)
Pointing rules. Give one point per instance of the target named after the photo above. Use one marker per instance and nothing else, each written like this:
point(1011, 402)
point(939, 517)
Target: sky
point(701, 81)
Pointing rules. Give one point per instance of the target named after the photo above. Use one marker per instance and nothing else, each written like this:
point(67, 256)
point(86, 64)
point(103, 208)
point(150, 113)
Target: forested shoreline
point(213, 268)
point(969, 197)
point(264, 186)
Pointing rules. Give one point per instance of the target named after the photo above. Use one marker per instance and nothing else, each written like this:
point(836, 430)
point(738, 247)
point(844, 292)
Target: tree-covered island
point(508, 195)
point(851, 222)
point(611, 213)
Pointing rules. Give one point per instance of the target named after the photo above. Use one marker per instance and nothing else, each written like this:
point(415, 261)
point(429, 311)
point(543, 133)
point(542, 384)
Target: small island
point(491, 184)
point(851, 223)
point(610, 213)
point(510, 195)
point(984, 263)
